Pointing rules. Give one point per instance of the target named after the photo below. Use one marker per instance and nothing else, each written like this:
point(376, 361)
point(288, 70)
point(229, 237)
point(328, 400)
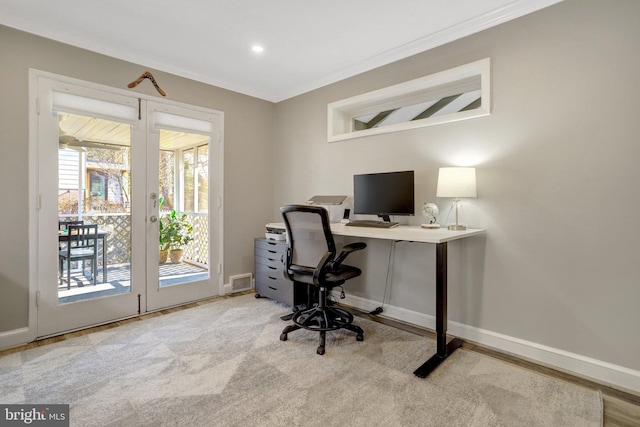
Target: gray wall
point(557, 179)
point(248, 146)
point(557, 183)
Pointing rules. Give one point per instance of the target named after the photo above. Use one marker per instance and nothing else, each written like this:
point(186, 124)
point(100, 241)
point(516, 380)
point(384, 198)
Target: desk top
point(413, 233)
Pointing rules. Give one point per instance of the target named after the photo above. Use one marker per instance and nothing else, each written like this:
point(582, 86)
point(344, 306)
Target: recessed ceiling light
point(257, 48)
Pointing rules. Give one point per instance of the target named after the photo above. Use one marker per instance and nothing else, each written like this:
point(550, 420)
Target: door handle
point(153, 218)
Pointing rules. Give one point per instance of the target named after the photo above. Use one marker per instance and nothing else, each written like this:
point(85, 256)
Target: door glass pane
point(203, 178)
point(167, 179)
point(94, 187)
point(188, 179)
point(184, 219)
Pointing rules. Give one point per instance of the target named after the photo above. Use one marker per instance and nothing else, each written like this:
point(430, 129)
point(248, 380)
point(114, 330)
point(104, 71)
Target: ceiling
point(307, 44)
point(77, 132)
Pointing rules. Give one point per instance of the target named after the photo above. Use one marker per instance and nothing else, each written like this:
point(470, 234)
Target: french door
point(133, 167)
point(183, 149)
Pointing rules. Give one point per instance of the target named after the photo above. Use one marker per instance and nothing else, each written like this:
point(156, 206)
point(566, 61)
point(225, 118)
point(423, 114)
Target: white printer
point(275, 231)
point(333, 204)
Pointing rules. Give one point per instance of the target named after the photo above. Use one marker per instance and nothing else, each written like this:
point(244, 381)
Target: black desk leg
point(443, 350)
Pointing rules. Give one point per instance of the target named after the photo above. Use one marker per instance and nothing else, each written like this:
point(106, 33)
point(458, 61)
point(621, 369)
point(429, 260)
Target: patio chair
point(82, 245)
point(64, 226)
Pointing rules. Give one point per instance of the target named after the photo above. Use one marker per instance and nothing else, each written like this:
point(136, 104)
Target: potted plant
point(163, 236)
point(164, 242)
point(175, 233)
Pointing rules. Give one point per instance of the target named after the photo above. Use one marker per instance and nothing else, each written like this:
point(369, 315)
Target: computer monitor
point(384, 194)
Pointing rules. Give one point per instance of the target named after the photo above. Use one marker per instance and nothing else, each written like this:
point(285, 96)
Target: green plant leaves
point(175, 231)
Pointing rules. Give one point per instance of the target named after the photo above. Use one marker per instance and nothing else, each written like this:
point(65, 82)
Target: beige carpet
point(222, 364)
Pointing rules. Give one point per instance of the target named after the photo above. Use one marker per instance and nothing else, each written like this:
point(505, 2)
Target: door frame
point(30, 333)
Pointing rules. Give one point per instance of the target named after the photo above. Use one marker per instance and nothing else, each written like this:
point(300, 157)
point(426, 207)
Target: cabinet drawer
point(268, 270)
point(269, 261)
point(271, 286)
point(273, 260)
point(271, 246)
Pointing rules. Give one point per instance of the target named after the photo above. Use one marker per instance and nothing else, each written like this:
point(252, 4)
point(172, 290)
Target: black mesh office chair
point(312, 260)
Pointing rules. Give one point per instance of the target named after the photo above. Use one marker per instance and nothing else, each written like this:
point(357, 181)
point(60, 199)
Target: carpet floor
point(222, 364)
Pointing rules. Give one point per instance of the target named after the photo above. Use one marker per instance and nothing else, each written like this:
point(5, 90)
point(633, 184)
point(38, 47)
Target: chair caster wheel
point(359, 337)
point(283, 337)
point(258, 296)
point(320, 351)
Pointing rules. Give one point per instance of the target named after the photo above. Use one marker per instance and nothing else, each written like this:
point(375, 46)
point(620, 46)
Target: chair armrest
point(287, 263)
point(346, 250)
point(315, 273)
point(320, 269)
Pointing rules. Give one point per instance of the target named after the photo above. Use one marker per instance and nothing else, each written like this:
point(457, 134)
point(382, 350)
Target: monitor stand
point(385, 218)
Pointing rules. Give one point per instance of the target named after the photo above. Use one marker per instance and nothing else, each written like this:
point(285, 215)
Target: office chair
point(82, 245)
point(312, 260)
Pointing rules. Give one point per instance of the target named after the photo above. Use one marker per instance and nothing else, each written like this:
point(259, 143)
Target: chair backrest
point(83, 236)
point(308, 234)
point(64, 225)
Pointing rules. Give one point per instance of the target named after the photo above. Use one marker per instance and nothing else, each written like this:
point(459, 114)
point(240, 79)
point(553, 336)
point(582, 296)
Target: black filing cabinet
point(269, 256)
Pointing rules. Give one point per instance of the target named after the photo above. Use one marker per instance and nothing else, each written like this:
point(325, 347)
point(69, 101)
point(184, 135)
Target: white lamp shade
point(456, 182)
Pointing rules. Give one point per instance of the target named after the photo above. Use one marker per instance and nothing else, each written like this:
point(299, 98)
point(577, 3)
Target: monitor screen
point(384, 194)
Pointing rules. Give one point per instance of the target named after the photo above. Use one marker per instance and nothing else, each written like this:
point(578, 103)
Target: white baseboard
point(604, 373)
point(16, 337)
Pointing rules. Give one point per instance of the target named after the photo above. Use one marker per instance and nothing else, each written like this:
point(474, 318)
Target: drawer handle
point(272, 278)
point(272, 259)
point(272, 252)
point(272, 288)
point(272, 268)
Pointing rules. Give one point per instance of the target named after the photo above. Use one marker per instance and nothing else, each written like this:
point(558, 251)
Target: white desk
point(439, 237)
point(413, 233)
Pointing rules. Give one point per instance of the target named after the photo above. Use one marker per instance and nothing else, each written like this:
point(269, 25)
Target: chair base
point(322, 319)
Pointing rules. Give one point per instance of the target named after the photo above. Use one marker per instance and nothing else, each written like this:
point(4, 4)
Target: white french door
point(126, 164)
point(183, 150)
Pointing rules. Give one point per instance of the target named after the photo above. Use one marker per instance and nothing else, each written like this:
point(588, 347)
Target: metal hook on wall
point(147, 75)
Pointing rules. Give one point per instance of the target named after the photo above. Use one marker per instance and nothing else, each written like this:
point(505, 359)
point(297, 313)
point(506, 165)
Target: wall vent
point(240, 282)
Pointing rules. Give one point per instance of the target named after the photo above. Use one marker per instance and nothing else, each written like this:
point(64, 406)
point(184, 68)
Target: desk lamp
point(456, 183)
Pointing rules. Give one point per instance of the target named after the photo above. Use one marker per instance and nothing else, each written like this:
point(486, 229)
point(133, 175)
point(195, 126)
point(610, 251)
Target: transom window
point(456, 94)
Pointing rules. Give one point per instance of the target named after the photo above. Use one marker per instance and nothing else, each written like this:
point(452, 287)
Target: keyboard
point(372, 223)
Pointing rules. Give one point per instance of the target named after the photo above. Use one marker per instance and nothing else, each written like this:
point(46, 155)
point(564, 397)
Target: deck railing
point(119, 244)
point(198, 250)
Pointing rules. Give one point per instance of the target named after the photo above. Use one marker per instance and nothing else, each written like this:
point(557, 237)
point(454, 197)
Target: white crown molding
point(479, 23)
point(514, 10)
